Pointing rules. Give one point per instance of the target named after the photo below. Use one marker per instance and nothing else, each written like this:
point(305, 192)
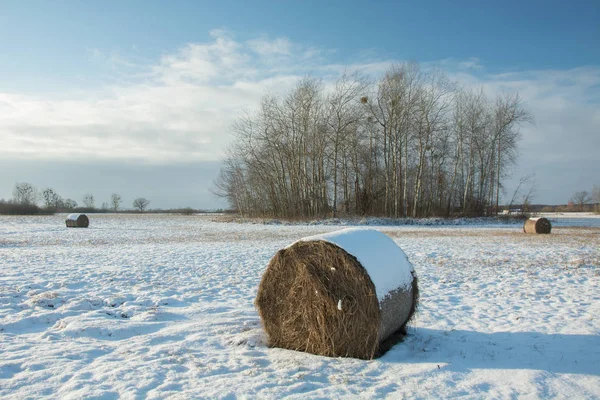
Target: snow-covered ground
point(162, 306)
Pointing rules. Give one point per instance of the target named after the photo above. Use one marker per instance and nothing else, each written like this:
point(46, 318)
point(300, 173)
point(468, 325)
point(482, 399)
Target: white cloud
point(564, 104)
point(181, 111)
point(265, 46)
point(472, 63)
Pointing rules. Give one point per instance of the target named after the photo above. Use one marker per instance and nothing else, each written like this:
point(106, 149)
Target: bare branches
point(25, 194)
point(115, 201)
point(409, 144)
point(141, 203)
point(580, 199)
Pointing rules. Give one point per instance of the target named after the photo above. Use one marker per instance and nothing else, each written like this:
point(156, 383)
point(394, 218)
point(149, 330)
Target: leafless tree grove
point(88, 200)
point(580, 199)
point(52, 199)
point(409, 145)
point(25, 193)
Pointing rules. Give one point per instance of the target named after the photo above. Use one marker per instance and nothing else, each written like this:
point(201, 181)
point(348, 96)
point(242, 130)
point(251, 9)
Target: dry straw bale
point(303, 289)
point(537, 225)
point(77, 221)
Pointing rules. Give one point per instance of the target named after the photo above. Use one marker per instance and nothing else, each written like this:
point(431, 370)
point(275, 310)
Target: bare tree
point(528, 180)
point(432, 106)
point(115, 200)
point(25, 193)
point(596, 197)
point(508, 116)
point(527, 197)
point(88, 200)
point(69, 203)
point(342, 115)
point(581, 199)
point(51, 198)
point(141, 203)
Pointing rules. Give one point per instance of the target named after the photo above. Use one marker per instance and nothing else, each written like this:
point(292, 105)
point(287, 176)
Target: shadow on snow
point(461, 351)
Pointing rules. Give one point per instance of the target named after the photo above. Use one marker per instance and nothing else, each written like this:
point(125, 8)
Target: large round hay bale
point(339, 294)
point(77, 221)
point(537, 225)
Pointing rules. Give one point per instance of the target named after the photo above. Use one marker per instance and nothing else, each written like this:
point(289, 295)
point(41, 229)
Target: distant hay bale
point(77, 221)
point(537, 225)
point(340, 294)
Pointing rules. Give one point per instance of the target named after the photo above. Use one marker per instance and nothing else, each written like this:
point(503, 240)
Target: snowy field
point(162, 307)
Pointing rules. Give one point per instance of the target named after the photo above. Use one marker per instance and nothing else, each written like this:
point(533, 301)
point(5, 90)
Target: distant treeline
point(410, 144)
point(11, 208)
point(564, 208)
point(26, 198)
point(184, 211)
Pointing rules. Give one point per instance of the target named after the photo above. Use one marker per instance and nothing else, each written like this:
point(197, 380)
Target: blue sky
point(155, 84)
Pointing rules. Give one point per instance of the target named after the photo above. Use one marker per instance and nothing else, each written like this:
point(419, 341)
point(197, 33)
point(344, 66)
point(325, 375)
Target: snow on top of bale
point(73, 217)
point(385, 262)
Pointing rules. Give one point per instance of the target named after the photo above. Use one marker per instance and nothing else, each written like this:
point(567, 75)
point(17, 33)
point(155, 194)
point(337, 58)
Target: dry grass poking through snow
point(298, 302)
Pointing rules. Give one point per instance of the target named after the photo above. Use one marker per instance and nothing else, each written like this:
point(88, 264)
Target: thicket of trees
point(581, 200)
point(410, 144)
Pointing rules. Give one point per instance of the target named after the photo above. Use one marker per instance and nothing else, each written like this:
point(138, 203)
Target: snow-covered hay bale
point(537, 225)
point(339, 294)
point(77, 221)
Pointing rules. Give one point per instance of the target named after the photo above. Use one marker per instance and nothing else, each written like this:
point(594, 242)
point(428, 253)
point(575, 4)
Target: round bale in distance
point(537, 225)
point(339, 294)
point(77, 221)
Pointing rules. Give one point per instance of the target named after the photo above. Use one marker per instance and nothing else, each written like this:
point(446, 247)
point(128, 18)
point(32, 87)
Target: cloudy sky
point(138, 97)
